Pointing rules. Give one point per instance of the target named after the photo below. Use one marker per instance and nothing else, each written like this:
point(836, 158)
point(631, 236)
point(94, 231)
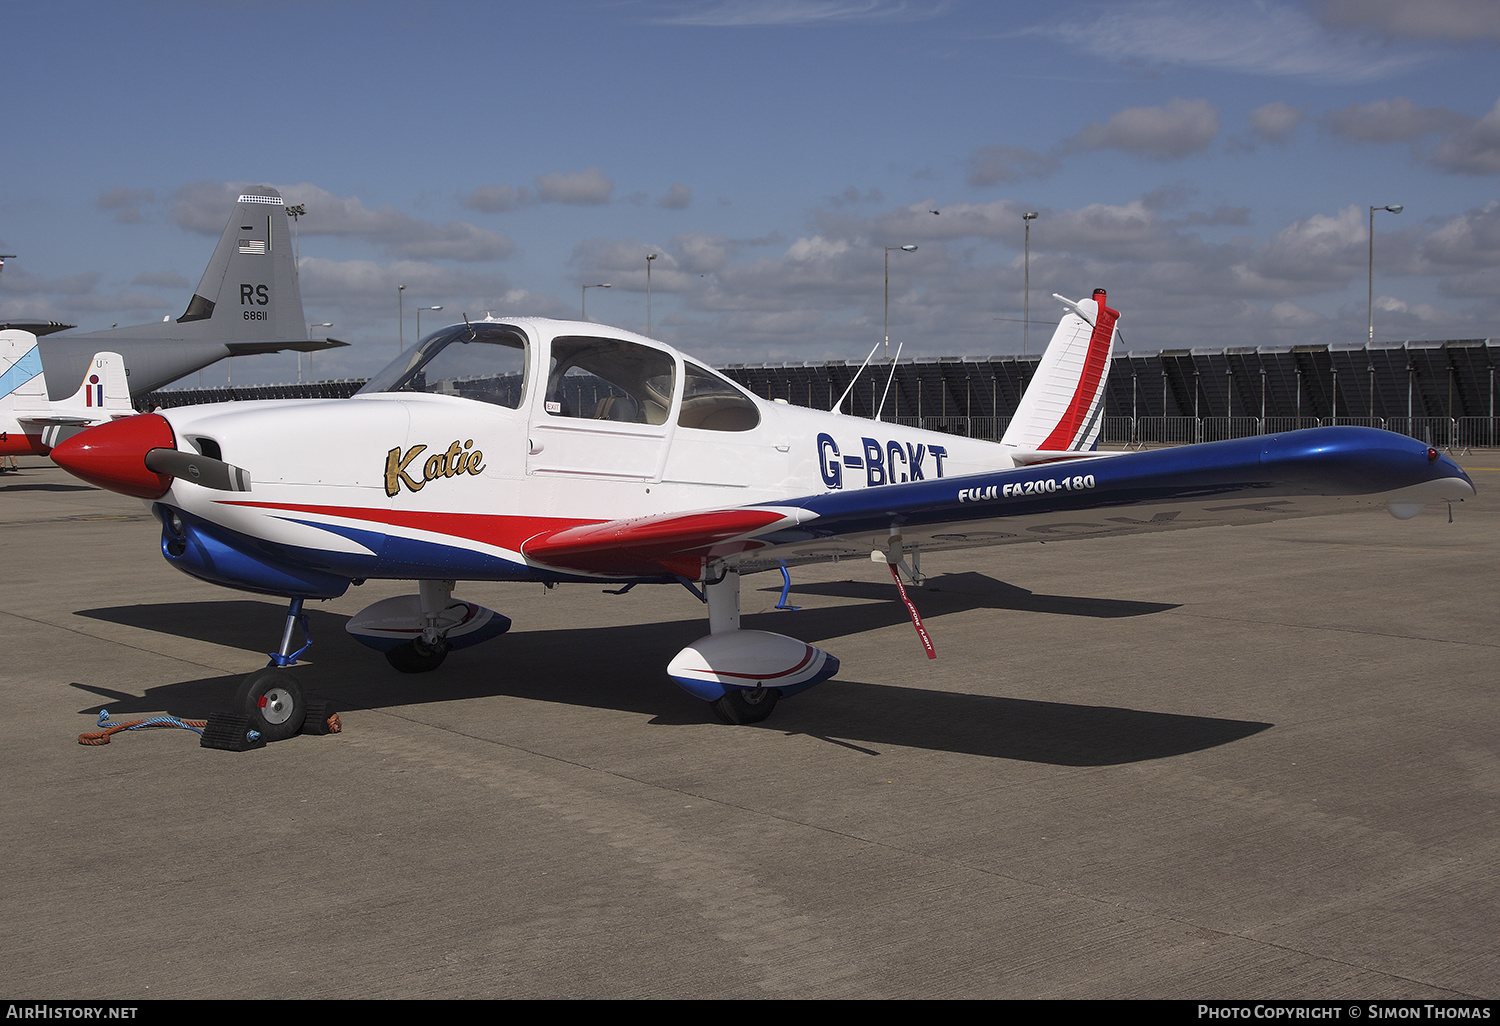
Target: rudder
point(1063, 407)
point(250, 290)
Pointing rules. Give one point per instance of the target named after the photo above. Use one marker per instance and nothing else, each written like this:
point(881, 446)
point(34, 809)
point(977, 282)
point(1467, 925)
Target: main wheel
point(417, 656)
point(746, 705)
point(273, 700)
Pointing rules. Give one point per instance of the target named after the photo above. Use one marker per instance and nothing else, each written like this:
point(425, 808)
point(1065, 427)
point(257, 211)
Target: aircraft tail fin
point(23, 387)
point(250, 290)
point(1063, 407)
point(105, 389)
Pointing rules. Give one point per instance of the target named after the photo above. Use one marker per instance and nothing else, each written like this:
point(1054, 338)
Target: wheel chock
point(321, 719)
point(230, 732)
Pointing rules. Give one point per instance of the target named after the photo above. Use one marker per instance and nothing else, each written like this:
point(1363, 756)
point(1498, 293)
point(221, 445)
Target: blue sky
point(1211, 164)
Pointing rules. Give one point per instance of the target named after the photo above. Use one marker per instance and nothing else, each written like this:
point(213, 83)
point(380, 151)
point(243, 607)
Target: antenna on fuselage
point(856, 377)
point(889, 380)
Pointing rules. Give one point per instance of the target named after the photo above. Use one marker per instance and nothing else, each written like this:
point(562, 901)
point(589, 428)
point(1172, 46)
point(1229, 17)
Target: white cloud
point(1470, 241)
point(1259, 38)
point(680, 266)
point(344, 281)
point(495, 199)
point(73, 299)
point(204, 206)
point(816, 249)
point(678, 197)
point(1396, 120)
point(126, 203)
point(1308, 256)
point(1288, 314)
point(161, 280)
point(792, 13)
point(1275, 122)
point(1473, 149)
point(1468, 145)
point(990, 165)
point(1457, 21)
point(587, 187)
point(1169, 132)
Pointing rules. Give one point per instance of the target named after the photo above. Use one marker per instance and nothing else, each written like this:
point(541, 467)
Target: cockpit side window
point(609, 379)
point(486, 362)
point(710, 403)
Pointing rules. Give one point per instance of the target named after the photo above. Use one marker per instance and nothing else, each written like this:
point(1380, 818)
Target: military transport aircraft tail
point(248, 303)
point(249, 291)
point(1063, 407)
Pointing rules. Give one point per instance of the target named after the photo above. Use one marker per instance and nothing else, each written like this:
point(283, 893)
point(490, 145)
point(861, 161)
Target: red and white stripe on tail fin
point(1063, 407)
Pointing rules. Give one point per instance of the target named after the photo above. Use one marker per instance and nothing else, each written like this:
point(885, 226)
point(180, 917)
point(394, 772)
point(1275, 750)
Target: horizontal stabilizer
point(309, 345)
point(37, 328)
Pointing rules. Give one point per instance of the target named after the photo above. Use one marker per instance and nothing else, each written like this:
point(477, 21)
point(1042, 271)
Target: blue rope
point(157, 721)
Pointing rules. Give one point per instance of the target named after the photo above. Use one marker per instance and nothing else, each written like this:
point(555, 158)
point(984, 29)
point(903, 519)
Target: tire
point(273, 700)
point(416, 656)
point(740, 706)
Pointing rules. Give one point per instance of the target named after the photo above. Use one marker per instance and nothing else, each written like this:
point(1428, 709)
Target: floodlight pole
point(904, 249)
point(310, 327)
point(296, 213)
point(1394, 208)
point(419, 319)
point(583, 304)
point(1027, 218)
point(649, 257)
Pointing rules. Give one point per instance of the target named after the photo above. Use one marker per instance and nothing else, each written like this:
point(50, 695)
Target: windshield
point(486, 362)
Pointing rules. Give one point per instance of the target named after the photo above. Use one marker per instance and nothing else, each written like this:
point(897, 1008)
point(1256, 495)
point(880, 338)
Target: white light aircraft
point(554, 451)
point(32, 423)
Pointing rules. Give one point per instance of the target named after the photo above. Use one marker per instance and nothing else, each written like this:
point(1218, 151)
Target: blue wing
point(1243, 481)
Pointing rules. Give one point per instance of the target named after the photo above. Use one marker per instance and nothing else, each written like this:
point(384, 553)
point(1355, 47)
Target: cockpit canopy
point(589, 377)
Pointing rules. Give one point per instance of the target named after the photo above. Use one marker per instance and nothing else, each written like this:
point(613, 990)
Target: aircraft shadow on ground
point(17, 487)
point(622, 668)
point(953, 592)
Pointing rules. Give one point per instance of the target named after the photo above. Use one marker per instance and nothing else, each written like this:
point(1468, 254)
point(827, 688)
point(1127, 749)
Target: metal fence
point(1449, 433)
point(1440, 432)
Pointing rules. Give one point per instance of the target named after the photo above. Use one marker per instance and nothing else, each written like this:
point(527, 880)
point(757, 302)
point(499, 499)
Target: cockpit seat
point(620, 408)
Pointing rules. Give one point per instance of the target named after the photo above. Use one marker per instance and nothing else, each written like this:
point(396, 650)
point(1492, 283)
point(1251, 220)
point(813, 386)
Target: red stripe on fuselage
point(1093, 369)
point(504, 532)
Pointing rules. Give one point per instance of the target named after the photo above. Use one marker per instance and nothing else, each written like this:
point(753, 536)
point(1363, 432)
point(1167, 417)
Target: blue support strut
point(294, 617)
point(786, 589)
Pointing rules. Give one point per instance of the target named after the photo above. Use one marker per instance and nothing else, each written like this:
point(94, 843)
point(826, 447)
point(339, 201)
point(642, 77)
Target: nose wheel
point(274, 702)
point(745, 705)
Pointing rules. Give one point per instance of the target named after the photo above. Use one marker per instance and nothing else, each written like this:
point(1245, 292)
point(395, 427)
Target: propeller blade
point(200, 470)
